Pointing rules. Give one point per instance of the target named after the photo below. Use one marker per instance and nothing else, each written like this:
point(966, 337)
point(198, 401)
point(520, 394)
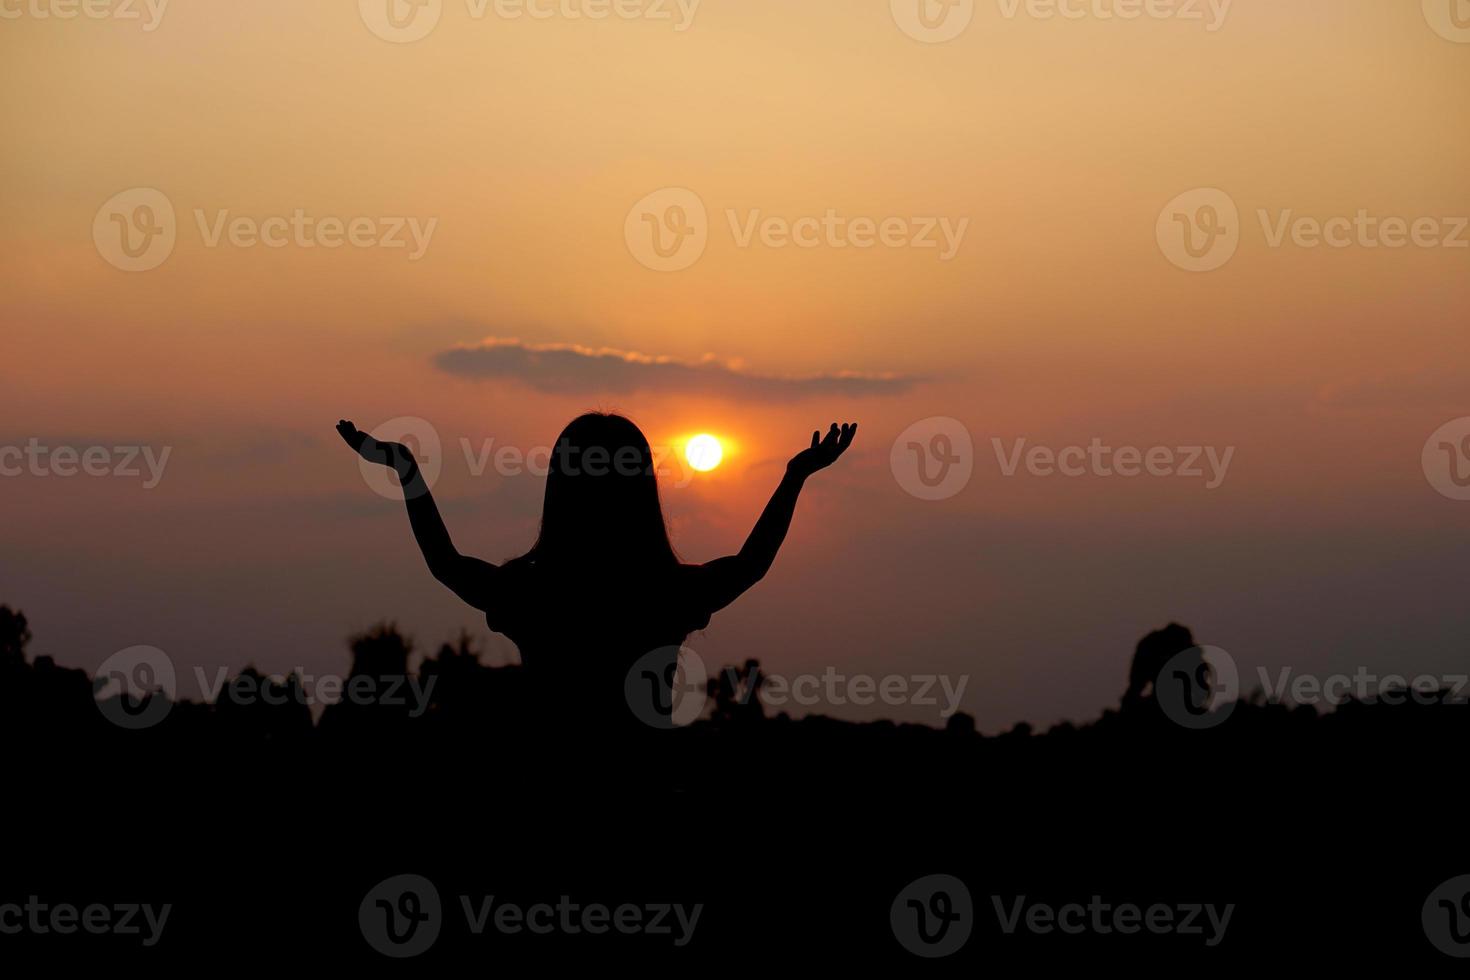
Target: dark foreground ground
point(473, 840)
point(1326, 854)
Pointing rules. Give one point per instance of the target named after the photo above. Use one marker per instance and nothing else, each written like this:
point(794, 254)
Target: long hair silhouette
point(602, 589)
point(602, 505)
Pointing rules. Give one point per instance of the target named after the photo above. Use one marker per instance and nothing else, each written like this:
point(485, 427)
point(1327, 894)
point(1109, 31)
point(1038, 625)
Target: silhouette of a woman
point(602, 585)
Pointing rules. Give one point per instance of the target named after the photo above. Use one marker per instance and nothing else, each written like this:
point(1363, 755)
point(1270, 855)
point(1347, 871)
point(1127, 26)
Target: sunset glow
point(997, 251)
point(955, 450)
point(704, 452)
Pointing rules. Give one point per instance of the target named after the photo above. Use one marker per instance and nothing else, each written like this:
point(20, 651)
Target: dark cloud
point(571, 369)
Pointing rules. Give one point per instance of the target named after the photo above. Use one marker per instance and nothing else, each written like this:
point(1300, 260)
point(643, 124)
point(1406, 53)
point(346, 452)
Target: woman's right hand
point(393, 454)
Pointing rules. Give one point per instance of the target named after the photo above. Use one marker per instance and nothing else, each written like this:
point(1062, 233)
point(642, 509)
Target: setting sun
point(704, 452)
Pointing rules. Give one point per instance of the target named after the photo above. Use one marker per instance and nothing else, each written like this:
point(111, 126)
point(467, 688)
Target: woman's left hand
point(823, 451)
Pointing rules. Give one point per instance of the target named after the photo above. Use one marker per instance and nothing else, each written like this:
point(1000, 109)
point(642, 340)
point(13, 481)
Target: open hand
point(394, 454)
point(823, 451)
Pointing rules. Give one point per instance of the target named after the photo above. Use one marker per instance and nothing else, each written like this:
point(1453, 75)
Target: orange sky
point(526, 142)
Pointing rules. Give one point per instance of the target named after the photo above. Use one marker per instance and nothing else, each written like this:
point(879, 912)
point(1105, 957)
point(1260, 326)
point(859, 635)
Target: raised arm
point(726, 578)
point(469, 578)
